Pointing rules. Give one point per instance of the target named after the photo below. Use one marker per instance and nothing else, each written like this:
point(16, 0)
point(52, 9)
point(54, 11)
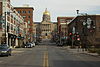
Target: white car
point(30, 45)
point(33, 44)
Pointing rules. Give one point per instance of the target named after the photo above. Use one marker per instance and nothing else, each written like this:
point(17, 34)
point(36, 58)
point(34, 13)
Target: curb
point(92, 54)
point(87, 53)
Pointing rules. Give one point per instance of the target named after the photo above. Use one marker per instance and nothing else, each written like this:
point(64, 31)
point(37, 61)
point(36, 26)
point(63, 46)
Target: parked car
point(5, 50)
point(30, 45)
point(33, 44)
point(36, 43)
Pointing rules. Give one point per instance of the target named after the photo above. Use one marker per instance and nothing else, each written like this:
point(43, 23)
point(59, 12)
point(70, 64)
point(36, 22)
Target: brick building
point(47, 27)
point(88, 29)
point(62, 25)
point(27, 13)
point(12, 25)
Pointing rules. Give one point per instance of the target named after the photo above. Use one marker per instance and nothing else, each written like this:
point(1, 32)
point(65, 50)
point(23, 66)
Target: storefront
point(12, 40)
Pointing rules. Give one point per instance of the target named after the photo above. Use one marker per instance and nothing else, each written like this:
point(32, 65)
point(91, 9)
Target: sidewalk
point(80, 51)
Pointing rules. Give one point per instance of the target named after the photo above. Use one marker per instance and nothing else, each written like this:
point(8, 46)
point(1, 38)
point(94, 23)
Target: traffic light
point(70, 33)
point(78, 37)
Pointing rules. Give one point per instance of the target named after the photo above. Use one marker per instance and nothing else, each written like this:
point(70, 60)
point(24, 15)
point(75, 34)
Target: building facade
point(37, 31)
point(62, 25)
point(87, 29)
point(45, 28)
point(27, 13)
point(12, 25)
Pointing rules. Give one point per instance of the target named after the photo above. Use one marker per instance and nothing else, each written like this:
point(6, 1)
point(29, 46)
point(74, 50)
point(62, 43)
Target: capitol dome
point(46, 12)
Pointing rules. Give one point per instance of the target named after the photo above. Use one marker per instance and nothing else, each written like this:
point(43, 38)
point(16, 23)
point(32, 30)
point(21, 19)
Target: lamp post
point(85, 32)
point(77, 11)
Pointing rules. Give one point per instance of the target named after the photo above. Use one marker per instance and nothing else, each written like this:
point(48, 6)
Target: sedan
point(29, 45)
point(33, 44)
point(5, 50)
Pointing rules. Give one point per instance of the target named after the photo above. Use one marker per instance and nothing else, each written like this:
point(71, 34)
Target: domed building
point(46, 16)
point(46, 26)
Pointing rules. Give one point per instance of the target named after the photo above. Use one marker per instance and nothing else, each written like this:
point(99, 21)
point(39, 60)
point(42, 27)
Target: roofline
point(64, 17)
point(23, 7)
point(83, 15)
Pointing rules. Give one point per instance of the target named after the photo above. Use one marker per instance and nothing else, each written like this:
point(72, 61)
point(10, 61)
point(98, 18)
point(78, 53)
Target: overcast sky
point(60, 7)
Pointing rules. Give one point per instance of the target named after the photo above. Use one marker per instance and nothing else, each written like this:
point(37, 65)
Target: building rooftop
point(23, 7)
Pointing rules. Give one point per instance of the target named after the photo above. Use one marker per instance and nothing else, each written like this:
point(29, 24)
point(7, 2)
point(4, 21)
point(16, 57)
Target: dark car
point(5, 50)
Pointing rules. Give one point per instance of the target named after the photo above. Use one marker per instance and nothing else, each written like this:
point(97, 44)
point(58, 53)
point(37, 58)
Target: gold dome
point(46, 12)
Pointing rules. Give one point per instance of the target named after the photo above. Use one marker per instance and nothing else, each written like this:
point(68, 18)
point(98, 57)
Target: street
point(48, 55)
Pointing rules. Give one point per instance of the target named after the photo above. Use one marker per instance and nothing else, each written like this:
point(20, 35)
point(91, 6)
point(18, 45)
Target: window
point(11, 27)
point(24, 11)
point(24, 16)
point(62, 20)
point(19, 11)
point(68, 20)
point(29, 16)
point(29, 11)
point(28, 22)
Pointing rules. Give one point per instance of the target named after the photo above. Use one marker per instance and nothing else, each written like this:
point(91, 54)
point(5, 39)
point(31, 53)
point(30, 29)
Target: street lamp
point(84, 23)
point(77, 11)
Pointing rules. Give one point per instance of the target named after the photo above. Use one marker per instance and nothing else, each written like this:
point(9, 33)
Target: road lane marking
point(45, 59)
point(17, 51)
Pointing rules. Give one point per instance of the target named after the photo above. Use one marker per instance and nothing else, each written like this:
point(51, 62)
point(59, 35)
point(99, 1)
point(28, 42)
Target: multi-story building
point(45, 28)
point(62, 25)
point(12, 25)
point(27, 13)
point(37, 31)
point(86, 29)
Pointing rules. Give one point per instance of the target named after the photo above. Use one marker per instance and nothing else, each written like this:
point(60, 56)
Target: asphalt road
point(47, 55)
